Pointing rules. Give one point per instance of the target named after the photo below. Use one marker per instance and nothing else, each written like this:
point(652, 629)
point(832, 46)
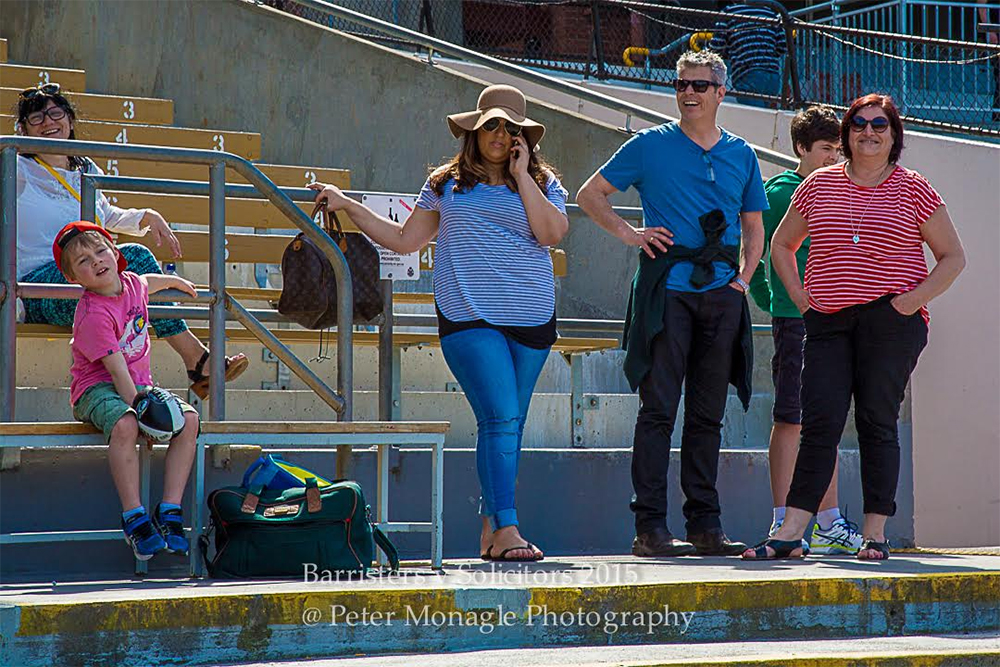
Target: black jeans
point(866, 352)
point(696, 345)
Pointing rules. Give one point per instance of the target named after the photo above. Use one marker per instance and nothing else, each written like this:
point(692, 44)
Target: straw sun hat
point(498, 101)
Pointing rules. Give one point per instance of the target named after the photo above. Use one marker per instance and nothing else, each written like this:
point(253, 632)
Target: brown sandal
point(235, 365)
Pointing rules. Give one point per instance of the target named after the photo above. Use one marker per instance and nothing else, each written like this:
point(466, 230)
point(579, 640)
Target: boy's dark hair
point(816, 123)
point(88, 240)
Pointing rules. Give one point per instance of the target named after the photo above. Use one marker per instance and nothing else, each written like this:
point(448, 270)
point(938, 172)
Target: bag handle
point(264, 479)
point(329, 226)
point(314, 502)
point(387, 547)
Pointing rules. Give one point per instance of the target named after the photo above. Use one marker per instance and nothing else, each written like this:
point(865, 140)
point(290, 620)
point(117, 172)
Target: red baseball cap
point(74, 229)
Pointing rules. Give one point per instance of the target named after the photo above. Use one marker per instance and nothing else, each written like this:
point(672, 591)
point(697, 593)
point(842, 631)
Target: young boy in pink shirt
point(111, 369)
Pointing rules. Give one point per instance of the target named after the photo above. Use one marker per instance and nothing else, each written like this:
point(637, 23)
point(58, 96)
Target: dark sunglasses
point(879, 124)
point(513, 129)
point(37, 118)
point(44, 89)
point(699, 85)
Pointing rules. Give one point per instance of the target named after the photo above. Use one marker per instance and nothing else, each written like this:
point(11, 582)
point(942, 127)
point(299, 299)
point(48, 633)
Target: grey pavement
point(554, 571)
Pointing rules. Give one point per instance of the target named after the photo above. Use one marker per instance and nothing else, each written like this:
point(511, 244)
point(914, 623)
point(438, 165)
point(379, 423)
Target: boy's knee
point(126, 428)
point(191, 423)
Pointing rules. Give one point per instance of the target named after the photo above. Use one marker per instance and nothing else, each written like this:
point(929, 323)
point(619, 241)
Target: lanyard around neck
point(69, 188)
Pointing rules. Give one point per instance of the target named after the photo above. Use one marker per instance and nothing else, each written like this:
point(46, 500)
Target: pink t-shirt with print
point(107, 324)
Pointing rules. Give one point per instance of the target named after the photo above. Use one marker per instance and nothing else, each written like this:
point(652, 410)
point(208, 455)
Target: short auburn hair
point(89, 240)
point(886, 104)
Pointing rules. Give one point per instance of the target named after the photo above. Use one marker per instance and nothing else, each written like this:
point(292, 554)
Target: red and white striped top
point(889, 256)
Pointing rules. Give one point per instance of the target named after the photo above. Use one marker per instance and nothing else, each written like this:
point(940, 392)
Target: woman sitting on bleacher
point(48, 188)
point(495, 207)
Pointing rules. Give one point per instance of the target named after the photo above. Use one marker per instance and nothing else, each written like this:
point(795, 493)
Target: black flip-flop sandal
point(527, 546)
point(881, 547)
point(782, 550)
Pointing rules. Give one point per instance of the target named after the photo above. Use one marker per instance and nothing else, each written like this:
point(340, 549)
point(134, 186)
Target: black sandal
point(536, 554)
point(782, 550)
point(881, 547)
point(235, 365)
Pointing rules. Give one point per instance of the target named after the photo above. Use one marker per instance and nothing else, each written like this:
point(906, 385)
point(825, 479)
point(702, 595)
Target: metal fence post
point(8, 277)
point(595, 16)
point(217, 281)
point(904, 101)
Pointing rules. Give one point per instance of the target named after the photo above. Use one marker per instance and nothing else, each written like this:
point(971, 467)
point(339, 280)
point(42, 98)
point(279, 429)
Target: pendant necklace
point(856, 237)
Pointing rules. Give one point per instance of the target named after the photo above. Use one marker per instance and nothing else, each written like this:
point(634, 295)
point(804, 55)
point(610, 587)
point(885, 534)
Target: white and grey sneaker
point(774, 528)
point(842, 538)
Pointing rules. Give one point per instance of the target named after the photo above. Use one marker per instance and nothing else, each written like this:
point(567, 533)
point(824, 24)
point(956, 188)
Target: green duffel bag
point(291, 532)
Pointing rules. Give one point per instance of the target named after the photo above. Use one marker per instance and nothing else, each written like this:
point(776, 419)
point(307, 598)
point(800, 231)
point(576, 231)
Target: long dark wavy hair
point(29, 105)
point(467, 169)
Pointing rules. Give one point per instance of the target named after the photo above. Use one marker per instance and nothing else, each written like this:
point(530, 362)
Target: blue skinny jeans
point(498, 376)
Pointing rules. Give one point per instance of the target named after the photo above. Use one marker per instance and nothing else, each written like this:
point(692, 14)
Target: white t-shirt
point(44, 206)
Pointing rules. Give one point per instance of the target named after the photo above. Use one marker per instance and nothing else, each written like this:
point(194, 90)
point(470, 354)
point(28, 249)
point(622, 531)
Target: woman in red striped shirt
point(864, 304)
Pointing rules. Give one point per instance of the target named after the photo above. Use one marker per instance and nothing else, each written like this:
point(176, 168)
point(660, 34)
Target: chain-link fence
point(948, 84)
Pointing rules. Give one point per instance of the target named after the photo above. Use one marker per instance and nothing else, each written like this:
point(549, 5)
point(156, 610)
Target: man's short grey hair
point(704, 58)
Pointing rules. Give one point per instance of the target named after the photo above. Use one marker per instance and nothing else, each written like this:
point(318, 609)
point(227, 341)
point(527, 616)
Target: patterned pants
point(60, 312)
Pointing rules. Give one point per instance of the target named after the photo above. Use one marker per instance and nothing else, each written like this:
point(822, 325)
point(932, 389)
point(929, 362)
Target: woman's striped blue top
point(488, 264)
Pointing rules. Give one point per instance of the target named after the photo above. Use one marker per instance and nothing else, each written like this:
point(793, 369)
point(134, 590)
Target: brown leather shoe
point(715, 543)
point(659, 542)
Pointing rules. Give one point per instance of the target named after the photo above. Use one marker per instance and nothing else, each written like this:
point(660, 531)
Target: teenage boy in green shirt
point(816, 141)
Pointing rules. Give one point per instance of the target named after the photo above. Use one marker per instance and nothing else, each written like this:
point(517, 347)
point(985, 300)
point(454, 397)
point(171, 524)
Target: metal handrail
point(553, 83)
point(239, 191)
point(217, 162)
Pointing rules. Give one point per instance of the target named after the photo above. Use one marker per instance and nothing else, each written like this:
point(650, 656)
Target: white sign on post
point(392, 265)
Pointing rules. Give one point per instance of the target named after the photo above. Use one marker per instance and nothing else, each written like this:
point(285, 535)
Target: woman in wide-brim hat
point(495, 208)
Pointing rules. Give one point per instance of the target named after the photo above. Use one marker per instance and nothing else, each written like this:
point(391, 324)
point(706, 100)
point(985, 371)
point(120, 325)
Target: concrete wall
point(571, 502)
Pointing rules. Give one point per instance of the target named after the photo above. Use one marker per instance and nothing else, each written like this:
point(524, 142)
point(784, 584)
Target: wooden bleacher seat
point(236, 334)
point(244, 144)
point(288, 176)
point(111, 108)
point(25, 76)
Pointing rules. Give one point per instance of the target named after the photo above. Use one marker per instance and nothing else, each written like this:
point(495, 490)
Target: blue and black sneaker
point(170, 523)
point(142, 536)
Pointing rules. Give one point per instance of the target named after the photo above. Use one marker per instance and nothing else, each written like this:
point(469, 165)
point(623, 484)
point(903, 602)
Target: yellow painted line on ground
point(982, 658)
point(286, 607)
point(741, 595)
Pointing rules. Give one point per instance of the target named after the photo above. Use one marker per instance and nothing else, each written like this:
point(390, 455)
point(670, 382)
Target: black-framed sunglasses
point(699, 85)
point(37, 118)
point(513, 129)
point(44, 89)
point(879, 123)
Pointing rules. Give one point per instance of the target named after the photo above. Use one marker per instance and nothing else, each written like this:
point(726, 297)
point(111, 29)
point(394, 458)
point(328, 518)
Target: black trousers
point(866, 352)
point(694, 349)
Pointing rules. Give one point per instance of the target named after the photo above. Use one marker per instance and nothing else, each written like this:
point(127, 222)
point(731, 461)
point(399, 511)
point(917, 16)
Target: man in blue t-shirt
point(686, 173)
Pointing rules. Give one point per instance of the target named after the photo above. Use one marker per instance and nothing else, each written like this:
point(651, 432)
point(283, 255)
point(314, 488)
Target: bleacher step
point(113, 108)
point(562, 602)
point(25, 76)
point(610, 423)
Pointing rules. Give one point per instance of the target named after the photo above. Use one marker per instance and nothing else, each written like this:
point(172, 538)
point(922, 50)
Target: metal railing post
point(88, 200)
point(217, 282)
point(387, 372)
point(8, 276)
